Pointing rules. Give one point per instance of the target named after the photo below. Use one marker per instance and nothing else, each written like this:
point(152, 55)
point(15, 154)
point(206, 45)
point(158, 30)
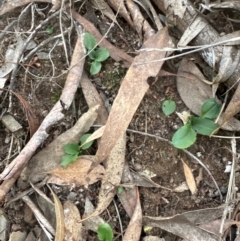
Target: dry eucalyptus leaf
point(144, 181)
point(112, 177)
point(228, 64)
point(189, 178)
point(134, 229)
point(128, 99)
point(192, 89)
point(96, 134)
point(233, 107)
point(225, 5)
point(73, 228)
point(179, 225)
point(176, 7)
point(141, 24)
point(77, 172)
point(233, 35)
point(59, 218)
point(192, 31)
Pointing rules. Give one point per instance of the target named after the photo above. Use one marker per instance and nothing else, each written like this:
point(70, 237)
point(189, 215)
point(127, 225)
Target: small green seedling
point(105, 232)
point(186, 135)
point(72, 151)
point(119, 190)
point(49, 30)
point(96, 54)
point(168, 107)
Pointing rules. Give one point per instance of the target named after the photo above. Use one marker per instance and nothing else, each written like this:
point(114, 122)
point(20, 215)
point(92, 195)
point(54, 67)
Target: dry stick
point(39, 215)
point(187, 152)
point(14, 169)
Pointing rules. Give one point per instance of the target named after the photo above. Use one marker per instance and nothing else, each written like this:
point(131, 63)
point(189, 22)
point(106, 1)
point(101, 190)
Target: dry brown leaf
point(77, 172)
point(144, 181)
point(95, 135)
point(233, 107)
point(192, 31)
point(31, 117)
point(128, 99)
point(193, 90)
point(128, 197)
point(59, 217)
point(189, 178)
point(179, 225)
point(112, 177)
point(228, 64)
point(176, 7)
point(73, 227)
point(134, 229)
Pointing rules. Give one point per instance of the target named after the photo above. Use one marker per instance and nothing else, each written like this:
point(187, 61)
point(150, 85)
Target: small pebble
point(137, 167)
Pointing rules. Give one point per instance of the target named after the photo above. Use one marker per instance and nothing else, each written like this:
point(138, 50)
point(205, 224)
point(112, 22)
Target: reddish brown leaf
point(131, 92)
point(134, 228)
point(31, 117)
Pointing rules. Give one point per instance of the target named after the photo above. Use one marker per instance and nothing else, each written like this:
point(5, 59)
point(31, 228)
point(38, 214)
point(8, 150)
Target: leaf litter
point(105, 201)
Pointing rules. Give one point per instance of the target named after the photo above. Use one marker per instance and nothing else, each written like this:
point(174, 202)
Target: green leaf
point(93, 55)
point(71, 149)
point(85, 146)
point(168, 107)
point(210, 109)
point(95, 67)
point(89, 41)
point(120, 190)
point(49, 30)
point(184, 137)
point(203, 126)
point(67, 159)
point(102, 54)
point(105, 232)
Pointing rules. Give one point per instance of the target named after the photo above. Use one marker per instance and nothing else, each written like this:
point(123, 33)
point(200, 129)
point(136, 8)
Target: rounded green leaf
point(71, 149)
point(119, 190)
point(92, 55)
point(85, 146)
point(67, 159)
point(89, 41)
point(203, 126)
point(105, 232)
point(168, 107)
point(184, 137)
point(49, 30)
point(95, 67)
point(102, 54)
point(210, 109)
